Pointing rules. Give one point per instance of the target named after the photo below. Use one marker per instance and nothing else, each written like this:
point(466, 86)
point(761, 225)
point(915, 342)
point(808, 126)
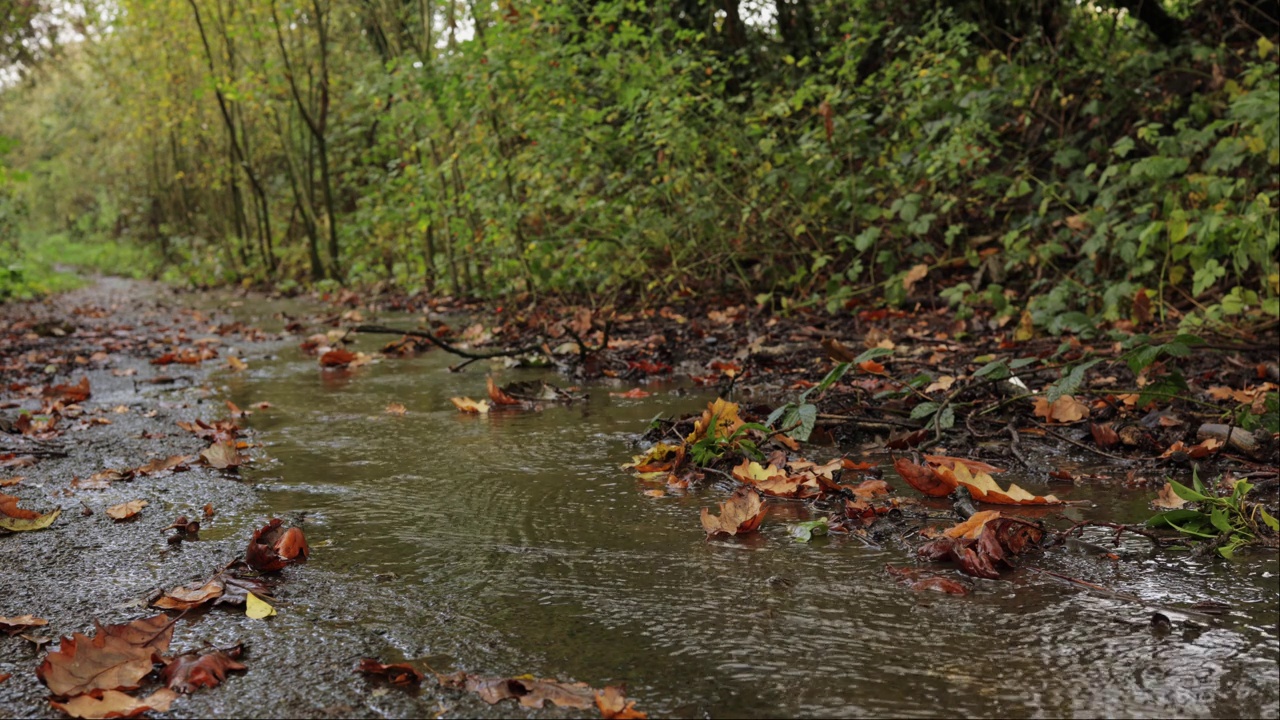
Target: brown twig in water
point(1121, 529)
point(447, 347)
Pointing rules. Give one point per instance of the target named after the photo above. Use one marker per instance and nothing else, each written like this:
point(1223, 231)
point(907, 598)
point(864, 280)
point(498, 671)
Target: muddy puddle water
point(513, 543)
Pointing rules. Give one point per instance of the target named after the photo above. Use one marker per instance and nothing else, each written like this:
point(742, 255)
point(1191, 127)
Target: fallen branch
point(447, 347)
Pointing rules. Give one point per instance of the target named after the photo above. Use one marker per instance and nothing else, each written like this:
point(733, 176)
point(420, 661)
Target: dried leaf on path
point(739, 515)
point(257, 608)
point(942, 474)
point(222, 455)
point(126, 510)
point(69, 393)
point(187, 597)
point(16, 519)
point(186, 673)
point(396, 673)
point(114, 704)
point(14, 625)
point(117, 656)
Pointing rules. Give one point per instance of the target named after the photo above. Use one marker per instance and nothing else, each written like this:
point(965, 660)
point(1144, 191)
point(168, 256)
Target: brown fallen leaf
point(1168, 499)
point(172, 463)
point(1066, 409)
point(186, 597)
point(632, 394)
point(126, 510)
point(222, 455)
point(14, 625)
point(115, 704)
point(10, 482)
point(396, 674)
point(337, 358)
point(117, 656)
point(921, 477)
point(1104, 435)
point(186, 673)
point(498, 395)
point(614, 705)
point(739, 515)
point(69, 393)
point(983, 546)
point(868, 489)
point(396, 408)
point(16, 519)
point(272, 547)
point(16, 461)
point(5, 676)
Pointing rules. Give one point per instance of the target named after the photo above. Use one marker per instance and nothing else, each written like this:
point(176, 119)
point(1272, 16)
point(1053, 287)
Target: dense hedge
point(1049, 155)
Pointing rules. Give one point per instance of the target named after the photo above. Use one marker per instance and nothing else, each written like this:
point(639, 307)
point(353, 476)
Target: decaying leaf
point(1066, 409)
point(14, 625)
point(942, 474)
point(222, 455)
point(272, 547)
point(498, 396)
point(723, 415)
point(116, 657)
point(69, 393)
point(1104, 435)
point(126, 510)
point(467, 405)
point(739, 515)
point(186, 673)
point(774, 481)
point(396, 673)
point(115, 704)
point(337, 358)
point(187, 597)
point(396, 408)
point(614, 705)
point(1168, 499)
point(16, 519)
point(984, 543)
point(172, 463)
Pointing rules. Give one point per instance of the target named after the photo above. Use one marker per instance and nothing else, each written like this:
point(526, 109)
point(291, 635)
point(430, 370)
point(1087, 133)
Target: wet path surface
point(513, 543)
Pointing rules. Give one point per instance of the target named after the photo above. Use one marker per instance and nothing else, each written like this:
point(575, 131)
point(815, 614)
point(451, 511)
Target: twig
point(1120, 529)
point(446, 346)
point(1082, 446)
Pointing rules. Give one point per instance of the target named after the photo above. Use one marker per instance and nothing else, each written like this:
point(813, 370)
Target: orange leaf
point(739, 515)
point(985, 489)
point(972, 527)
point(1065, 409)
point(871, 366)
point(467, 405)
point(922, 478)
point(115, 704)
point(337, 358)
point(632, 394)
point(497, 395)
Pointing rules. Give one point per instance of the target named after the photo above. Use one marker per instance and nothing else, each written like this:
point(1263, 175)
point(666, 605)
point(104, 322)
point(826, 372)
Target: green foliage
point(619, 147)
point(1232, 521)
point(712, 447)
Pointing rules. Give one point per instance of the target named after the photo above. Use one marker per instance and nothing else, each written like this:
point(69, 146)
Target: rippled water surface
point(513, 543)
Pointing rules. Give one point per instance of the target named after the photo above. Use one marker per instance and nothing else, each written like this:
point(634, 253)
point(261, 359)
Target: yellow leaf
point(913, 276)
point(467, 405)
point(257, 608)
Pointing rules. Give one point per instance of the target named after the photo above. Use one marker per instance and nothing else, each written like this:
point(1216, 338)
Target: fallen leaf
point(235, 364)
point(172, 463)
point(117, 656)
point(872, 367)
point(396, 408)
point(186, 673)
point(985, 489)
point(868, 489)
point(739, 515)
point(5, 676)
point(10, 482)
point(837, 351)
point(972, 527)
point(1168, 499)
point(914, 275)
point(337, 358)
point(720, 414)
point(1104, 435)
point(632, 394)
point(15, 460)
point(257, 608)
point(14, 625)
point(186, 597)
point(497, 395)
point(69, 393)
point(614, 705)
point(16, 519)
point(272, 547)
point(942, 383)
point(939, 584)
point(396, 673)
point(467, 405)
point(1065, 409)
point(922, 478)
point(236, 412)
point(115, 704)
point(222, 455)
point(126, 510)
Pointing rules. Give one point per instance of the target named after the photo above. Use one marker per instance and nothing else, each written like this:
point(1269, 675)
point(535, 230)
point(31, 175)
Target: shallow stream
point(513, 543)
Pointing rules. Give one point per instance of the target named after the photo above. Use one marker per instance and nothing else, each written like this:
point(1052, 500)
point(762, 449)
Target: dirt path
point(87, 567)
